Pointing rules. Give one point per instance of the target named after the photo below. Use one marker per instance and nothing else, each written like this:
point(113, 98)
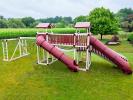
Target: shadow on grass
point(96, 67)
point(105, 68)
point(55, 67)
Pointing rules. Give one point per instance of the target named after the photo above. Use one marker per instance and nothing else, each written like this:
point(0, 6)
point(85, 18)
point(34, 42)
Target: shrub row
point(14, 33)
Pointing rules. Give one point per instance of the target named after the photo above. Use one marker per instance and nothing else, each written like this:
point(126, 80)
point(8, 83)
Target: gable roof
point(44, 25)
point(82, 25)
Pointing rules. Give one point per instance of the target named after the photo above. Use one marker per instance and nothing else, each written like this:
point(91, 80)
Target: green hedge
point(14, 33)
point(130, 37)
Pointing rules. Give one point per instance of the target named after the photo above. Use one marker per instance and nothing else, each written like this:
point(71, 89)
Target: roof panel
point(44, 25)
point(82, 25)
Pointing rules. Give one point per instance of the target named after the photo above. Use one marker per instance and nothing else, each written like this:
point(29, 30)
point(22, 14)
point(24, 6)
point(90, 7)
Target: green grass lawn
point(23, 79)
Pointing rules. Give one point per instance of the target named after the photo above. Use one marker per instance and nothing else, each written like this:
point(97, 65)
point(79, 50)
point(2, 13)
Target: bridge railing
point(78, 40)
point(61, 39)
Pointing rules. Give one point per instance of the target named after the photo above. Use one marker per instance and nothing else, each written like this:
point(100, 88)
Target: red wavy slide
point(56, 52)
point(99, 48)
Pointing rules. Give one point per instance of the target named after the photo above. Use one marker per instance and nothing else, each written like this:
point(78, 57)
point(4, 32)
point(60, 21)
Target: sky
point(52, 8)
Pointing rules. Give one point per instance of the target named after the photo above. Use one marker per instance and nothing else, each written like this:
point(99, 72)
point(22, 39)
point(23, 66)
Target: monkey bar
point(21, 47)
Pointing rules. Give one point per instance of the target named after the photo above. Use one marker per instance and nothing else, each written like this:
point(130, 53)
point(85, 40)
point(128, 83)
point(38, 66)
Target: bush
point(130, 37)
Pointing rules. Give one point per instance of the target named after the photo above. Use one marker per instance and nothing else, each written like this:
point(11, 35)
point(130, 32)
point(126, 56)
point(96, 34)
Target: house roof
point(130, 16)
point(82, 25)
point(44, 25)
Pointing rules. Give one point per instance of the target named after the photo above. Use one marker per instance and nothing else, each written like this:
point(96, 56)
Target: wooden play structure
point(53, 46)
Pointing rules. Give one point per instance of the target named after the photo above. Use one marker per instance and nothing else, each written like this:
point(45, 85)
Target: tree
point(123, 13)
point(67, 20)
point(103, 21)
point(2, 17)
point(80, 19)
point(28, 21)
point(34, 24)
point(58, 20)
point(60, 25)
point(3, 23)
point(15, 23)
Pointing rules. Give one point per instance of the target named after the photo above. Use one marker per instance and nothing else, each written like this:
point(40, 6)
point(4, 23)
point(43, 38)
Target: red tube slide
point(57, 53)
point(110, 55)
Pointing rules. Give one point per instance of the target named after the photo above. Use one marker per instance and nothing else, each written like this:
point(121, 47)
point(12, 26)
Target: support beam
point(21, 47)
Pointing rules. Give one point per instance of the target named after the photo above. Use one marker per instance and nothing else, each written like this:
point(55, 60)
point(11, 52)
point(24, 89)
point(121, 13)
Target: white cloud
point(115, 5)
point(50, 8)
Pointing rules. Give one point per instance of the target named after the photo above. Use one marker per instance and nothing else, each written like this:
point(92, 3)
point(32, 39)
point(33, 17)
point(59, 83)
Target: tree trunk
point(101, 36)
